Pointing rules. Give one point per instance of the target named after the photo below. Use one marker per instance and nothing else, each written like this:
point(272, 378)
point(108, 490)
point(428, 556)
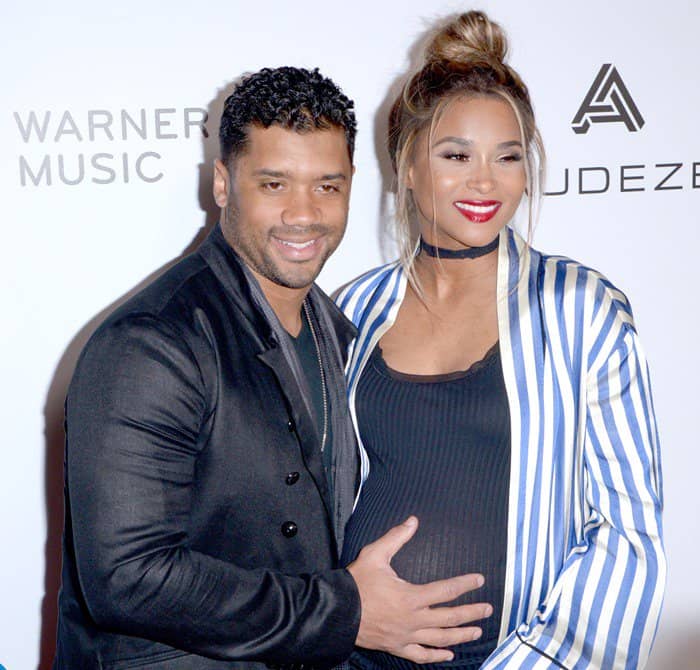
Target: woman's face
point(469, 177)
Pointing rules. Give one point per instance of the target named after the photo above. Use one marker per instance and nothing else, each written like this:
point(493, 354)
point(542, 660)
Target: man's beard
point(256, 257)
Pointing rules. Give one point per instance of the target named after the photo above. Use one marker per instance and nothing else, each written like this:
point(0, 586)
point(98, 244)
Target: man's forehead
point(279, 149)
point(276, 133)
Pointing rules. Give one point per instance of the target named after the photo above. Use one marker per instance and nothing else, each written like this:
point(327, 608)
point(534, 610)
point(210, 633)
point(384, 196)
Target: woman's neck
point(446, 280)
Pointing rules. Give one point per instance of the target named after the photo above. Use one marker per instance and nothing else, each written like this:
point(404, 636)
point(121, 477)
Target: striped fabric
point(585, 564)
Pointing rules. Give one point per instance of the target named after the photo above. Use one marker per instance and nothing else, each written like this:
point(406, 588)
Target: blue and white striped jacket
point(585, 563)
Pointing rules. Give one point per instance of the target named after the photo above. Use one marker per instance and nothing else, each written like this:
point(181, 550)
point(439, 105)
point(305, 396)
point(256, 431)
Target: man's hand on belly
point(401, 618)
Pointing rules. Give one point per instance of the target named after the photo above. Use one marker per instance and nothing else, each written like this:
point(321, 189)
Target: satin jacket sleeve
point(602, 610)
point(137, 413)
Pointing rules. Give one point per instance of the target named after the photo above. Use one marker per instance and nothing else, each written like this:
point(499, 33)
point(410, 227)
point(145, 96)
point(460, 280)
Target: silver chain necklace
point(322, 373)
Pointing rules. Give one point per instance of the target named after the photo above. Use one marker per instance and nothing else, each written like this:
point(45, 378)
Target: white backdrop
point(120, 89)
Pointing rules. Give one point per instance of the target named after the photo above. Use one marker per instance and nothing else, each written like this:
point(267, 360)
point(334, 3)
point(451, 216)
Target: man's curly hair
point(294, 98)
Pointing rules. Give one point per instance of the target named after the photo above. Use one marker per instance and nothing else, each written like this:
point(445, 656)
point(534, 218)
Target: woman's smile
point(478, 211)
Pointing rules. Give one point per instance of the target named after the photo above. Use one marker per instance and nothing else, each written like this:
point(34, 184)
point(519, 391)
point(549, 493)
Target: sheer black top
point(439, 448)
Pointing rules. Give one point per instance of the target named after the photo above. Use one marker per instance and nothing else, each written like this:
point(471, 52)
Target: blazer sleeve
point(603, 609)
point(134, 412)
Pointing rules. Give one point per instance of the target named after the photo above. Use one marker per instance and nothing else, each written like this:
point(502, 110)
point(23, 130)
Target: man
point(210, 461)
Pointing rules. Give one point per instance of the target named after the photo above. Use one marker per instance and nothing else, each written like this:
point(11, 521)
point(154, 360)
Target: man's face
point(285, 202)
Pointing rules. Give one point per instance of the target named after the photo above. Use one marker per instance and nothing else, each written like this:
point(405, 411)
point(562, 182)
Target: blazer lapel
point(525, 372)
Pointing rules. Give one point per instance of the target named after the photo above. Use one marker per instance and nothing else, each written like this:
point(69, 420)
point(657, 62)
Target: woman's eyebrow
point(452, 139)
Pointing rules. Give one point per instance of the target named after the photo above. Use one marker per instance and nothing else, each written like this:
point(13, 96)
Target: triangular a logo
point(607, 101)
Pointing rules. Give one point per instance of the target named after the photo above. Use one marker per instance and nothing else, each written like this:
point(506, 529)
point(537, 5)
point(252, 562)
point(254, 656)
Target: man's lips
point(478, 211)
point(298, 250)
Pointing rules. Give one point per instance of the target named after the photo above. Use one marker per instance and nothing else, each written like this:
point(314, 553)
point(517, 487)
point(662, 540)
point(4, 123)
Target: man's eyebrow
point(266, 172)
point(277, 174)
point(467, 143)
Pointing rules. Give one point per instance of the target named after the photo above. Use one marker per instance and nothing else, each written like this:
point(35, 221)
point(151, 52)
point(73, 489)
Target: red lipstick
point(478, 211)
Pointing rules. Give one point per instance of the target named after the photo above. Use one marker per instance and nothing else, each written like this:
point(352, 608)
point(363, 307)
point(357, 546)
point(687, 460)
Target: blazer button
point(290, 425)
point(289, 529)
point(291, 478)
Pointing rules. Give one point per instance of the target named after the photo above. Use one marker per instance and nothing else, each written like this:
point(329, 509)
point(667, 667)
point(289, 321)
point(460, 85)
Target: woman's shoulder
point(565, 279)
point(379, 283)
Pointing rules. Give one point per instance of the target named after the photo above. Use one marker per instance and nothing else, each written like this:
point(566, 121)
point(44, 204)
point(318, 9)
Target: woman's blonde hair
point(464, 58)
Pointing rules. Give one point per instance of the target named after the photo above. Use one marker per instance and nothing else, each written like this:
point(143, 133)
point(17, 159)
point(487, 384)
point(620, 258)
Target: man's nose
point(301, 210)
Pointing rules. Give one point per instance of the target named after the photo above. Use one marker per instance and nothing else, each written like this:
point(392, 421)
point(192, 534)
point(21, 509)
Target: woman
point(501, 394)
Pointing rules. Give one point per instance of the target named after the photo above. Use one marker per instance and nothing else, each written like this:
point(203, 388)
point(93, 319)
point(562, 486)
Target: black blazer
point(185, 434)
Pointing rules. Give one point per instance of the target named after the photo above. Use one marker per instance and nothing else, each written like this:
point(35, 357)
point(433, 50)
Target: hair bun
point(470, 39)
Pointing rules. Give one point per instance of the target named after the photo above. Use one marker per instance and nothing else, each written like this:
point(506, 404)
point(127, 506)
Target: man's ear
point(222, 183)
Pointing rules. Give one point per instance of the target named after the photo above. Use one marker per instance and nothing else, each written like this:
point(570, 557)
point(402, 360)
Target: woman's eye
point(511, 158)
point(328, 188)
point(456, 156)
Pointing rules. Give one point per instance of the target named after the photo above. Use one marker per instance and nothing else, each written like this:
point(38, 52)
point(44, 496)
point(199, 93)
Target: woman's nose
point(481, 178)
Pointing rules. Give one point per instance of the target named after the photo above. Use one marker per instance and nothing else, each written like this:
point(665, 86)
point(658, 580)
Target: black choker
point(470, 252)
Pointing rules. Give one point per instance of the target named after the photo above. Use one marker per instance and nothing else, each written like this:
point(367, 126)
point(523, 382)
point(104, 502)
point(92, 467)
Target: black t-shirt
point(305, 348)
